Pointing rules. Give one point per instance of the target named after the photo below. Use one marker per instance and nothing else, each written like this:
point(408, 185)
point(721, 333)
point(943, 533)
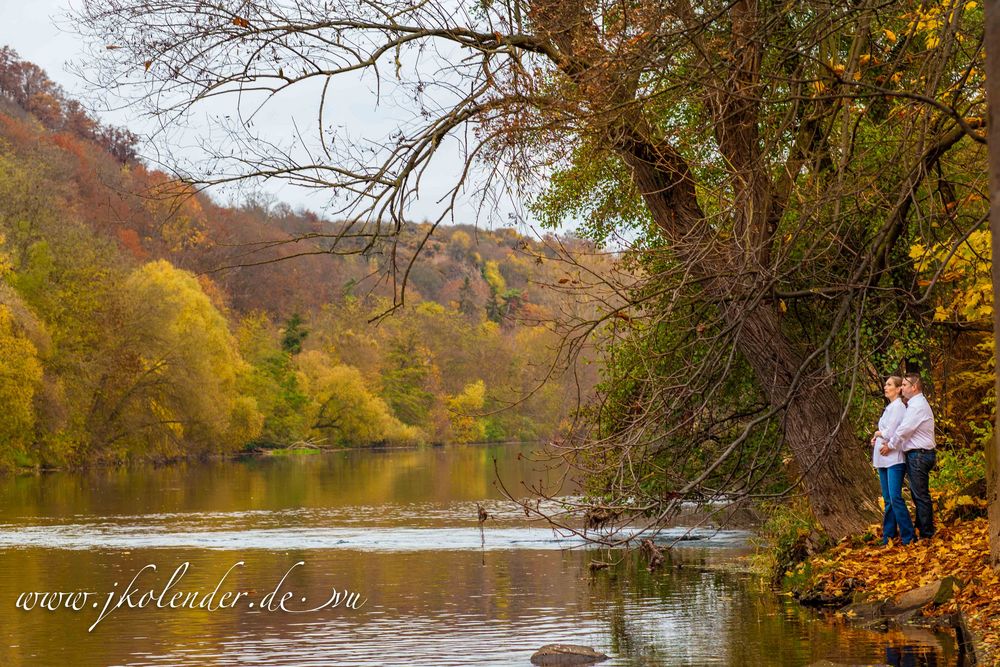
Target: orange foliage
point(130, 241)
point(959, 549)
point(214, 293)
point(14, 130)
point(70, 144)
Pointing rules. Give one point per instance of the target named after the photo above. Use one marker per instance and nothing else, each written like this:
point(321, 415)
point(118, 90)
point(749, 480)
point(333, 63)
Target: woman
point(891, 466)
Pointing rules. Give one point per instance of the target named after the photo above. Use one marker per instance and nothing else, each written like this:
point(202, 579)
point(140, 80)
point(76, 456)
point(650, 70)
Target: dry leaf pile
point(959, 549)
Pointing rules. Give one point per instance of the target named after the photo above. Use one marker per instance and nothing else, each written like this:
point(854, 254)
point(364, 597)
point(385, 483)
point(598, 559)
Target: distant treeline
point(120, 340)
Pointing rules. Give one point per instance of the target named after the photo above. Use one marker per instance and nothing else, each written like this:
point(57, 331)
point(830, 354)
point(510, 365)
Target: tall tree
point(780, 151)
point(992, 32)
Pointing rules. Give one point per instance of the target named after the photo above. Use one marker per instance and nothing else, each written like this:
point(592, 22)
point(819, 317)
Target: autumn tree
point(27, 85)
point(177, 389)
point(992, 31)
point(466, 424)
point(775, 153)
point(273, 381)
point(343, 411)
point(20, 378)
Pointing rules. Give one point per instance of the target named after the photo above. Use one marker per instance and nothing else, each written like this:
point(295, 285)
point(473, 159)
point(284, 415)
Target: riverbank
point(861, 570)
point(249, 452)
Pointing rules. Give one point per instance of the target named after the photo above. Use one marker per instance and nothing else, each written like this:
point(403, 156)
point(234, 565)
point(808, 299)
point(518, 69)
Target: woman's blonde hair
point(895, 380)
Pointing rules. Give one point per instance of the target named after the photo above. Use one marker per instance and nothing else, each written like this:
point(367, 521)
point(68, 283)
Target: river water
point(374, 558)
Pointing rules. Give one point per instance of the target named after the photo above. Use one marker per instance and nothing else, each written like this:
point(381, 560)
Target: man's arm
point(915, 416)
point(893, 420)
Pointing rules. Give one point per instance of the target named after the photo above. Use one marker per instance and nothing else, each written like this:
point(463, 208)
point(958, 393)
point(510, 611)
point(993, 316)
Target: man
point(915, 438)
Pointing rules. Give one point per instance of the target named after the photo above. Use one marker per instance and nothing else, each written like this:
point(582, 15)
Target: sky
point(31, 28)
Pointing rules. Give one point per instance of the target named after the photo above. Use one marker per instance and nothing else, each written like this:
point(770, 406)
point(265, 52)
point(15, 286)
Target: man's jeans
point(919, 463)
point(896, 517)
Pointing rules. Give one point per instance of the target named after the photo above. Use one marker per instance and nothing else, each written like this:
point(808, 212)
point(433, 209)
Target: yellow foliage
point(431, 308)
point(20, 376)
point(465, 425)
point(964, 285)
point(5, 265)
point(491, 272)
point(343, 410)
point(185, 342)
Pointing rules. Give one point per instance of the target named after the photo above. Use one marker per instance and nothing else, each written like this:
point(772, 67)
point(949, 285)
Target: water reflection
point(399, 527)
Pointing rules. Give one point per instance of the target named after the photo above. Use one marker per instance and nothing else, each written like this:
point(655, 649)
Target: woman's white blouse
point(887, 424)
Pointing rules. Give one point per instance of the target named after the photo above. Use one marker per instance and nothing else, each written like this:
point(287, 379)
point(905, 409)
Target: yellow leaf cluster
point(5, 265)
point(960, 549)
point(960, 277)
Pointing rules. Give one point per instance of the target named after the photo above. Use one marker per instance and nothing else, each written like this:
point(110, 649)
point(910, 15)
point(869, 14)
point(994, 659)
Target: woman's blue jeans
point(897, 517)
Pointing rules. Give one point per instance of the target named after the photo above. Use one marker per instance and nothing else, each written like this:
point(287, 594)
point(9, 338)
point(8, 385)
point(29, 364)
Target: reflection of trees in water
point(689, 614)
point(686, 598)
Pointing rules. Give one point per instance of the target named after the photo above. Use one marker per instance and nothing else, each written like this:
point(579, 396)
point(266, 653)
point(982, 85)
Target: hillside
point(140, 319)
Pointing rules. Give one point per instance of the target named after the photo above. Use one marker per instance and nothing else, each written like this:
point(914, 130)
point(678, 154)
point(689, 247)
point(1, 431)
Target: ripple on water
point(139, 534)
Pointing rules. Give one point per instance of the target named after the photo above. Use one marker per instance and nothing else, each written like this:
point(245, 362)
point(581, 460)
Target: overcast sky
point(30, 27)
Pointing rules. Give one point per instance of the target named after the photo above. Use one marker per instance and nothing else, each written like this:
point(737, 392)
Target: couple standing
point(904, 445)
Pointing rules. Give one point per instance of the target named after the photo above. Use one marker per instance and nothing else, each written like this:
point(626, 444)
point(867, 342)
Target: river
point(387, 544)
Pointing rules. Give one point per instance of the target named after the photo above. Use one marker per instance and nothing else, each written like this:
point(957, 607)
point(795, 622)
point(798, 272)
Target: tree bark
point(992, 37)
point(836, 471)
point(837, 475)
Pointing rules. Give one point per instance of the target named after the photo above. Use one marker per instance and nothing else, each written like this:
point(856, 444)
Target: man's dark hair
point(915, 380)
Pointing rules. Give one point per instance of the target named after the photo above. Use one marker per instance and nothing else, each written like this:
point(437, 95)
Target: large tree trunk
point(835, 466)
point(837, 475)
point(992, 37)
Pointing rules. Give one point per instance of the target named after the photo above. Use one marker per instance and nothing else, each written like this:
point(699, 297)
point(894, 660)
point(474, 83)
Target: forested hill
point(142, 320)
point(149, 216)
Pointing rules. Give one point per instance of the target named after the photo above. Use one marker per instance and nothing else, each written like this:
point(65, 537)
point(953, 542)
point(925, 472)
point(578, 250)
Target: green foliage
point(273, 381)
point(674, 436)
point(494, 431)
point(595, 189)
point(786, 538)
point(405, 380)
point(957, 468)
point(295, 451)
point(291, 340)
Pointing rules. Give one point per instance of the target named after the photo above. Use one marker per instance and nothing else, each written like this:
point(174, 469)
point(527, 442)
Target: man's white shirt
point(916, 431)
